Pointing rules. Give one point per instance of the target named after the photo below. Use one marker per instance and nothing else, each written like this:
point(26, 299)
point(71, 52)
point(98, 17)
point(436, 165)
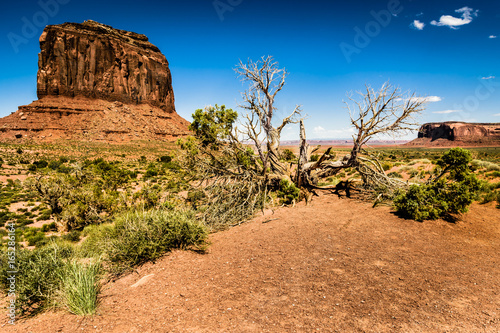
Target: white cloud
point(492, 36)
point(496, 115)
point(417, 25)
point(446, 111)
point(427, 99)
point(491, 77)
point(468, 15)
point(322, 133)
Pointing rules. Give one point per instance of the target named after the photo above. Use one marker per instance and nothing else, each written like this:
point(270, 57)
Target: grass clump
point(38, 277)
point(81, 287)
point(141, 236)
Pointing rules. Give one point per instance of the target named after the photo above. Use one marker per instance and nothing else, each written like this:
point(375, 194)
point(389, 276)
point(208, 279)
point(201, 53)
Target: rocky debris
point(98, 83)
point(459, 133)
point(88, 119)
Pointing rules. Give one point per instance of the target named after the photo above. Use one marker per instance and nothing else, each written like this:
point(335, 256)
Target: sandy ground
point(336, 265)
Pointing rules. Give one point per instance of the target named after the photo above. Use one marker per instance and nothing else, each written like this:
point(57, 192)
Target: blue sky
point(447, 50)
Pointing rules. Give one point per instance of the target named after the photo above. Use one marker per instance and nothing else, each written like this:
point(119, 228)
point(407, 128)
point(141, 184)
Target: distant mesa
point(458, 133)
point(95, 82)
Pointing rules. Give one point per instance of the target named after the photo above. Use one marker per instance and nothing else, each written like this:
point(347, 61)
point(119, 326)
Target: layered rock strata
point(96, 82)
point(459, 133)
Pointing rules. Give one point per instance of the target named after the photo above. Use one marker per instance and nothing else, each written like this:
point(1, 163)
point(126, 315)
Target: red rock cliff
point(96, 61)
point(458, 133)
point(100, 84)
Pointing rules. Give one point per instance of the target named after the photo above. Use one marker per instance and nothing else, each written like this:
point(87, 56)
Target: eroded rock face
point(96, 61)
point(97, 83)
point(459, 133)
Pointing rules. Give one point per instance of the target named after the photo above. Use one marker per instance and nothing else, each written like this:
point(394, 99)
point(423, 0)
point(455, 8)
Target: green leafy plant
point(288, 155)
point(213, 124)
point(451, 192)
point(288, 192)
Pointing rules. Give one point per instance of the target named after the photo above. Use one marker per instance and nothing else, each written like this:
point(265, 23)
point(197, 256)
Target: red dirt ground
point(336, 265)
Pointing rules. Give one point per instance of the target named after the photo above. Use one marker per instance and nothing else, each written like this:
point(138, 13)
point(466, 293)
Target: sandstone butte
point(97, 83)
point(458, 134)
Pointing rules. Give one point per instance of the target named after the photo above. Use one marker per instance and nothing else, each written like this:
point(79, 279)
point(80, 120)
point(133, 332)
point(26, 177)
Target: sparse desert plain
point(334, 265)
point(119, 215)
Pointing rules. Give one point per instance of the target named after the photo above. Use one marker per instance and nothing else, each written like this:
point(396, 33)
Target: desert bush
point(314, 158)
point(72, 236)
point(288, 155)
point(54, 165)
point(165, 159)
point(45, 215)
point(422, 161)
point(35, 237)
point(489, 166)
point(141, 236)
point(449, 193)
point(288, 192)
point(148, 197)
point(387, 166)
point(40, 164)
point(38, 276)
point(394, 174)
point(80, 287)
point(49, 227)
point(493, 174)
point(86, 194)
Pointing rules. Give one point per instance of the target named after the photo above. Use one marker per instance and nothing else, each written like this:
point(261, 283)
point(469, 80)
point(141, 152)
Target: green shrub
point(288, 155)
point(387, 166)
point(394, 174)
point(138, 237)
point(314, 158)
point(38, 239)
point(49, 227)
point(38, 277)
point(54, 165)
point(46, 213)
point(81, 287)
point(288, 192)
point(40, 164)
point(444, 195)
point(72, 236)
point(493, 174)
point(165, 159)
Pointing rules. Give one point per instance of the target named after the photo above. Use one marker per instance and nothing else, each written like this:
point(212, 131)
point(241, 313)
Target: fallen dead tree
point(234, 180)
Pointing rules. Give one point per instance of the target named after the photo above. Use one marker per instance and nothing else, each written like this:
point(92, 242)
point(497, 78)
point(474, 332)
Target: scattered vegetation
point(114, 209)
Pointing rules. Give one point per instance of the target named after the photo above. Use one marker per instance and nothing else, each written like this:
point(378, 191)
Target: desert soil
point(337, 265)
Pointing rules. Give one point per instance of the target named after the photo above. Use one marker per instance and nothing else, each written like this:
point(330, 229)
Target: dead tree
point(387, 111)
point(266, 81)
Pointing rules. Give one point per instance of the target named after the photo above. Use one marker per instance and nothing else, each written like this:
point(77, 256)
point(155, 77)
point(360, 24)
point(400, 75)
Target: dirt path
point(335, 266)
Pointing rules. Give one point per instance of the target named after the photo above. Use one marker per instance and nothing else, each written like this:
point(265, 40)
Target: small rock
point(142, 281)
